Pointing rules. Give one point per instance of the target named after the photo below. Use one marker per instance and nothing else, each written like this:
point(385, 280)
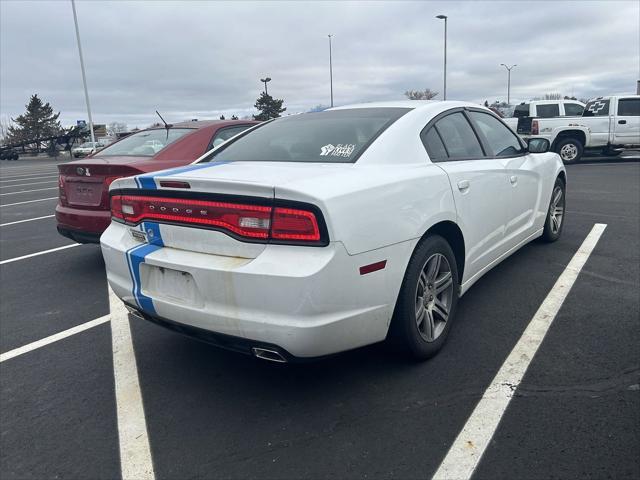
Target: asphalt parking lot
point(363, 414)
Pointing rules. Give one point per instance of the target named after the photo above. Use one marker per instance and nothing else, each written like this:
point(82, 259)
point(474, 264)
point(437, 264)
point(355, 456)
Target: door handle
point(622, 122)
point(513, 179)
point(463, 185)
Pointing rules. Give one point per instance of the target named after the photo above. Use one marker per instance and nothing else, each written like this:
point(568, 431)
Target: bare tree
point(426, 94)
point(116, 127)
point(5, 123)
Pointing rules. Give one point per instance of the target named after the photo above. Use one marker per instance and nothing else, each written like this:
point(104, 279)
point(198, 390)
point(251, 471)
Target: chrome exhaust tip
point(134, 312)
point(269, 355)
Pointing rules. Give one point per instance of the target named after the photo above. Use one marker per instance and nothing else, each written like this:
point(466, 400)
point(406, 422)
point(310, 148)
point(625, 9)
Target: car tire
point(427, 301)
point(554, 222)
point(570, 150)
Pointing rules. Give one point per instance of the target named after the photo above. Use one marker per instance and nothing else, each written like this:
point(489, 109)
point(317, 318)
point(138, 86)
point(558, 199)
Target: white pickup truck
point(608, 124)
point(524, 113)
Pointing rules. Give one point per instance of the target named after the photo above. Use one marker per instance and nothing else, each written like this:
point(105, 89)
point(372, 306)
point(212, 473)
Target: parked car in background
point(8, 153)
point(609, 125)
point(322, 232)
point(524, 113)
point(83, 206)
point(87, 148)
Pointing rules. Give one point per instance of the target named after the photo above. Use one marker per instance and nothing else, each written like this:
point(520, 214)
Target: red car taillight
point(535, 130)
point(294, 224)
point(61, 193)
point(255, 222)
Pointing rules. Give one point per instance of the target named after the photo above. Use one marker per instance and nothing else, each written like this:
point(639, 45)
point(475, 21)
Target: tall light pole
point(509, 80)
point(84, 77)
point(444, 17)
point(330, 70)
point(265, 81)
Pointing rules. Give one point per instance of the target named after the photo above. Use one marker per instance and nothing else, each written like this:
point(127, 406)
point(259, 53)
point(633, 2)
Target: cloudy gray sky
point(200, 59)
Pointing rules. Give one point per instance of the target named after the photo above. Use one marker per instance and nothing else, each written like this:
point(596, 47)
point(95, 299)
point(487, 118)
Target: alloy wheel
point(556, 209)
point(434, 293)
point(569, 152)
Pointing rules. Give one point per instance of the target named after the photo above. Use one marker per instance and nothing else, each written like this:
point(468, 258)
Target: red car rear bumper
point(84, 226)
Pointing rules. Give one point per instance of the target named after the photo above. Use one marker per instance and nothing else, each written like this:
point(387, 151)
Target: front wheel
point(427, 301)
point(555, 214)
point(570, 150)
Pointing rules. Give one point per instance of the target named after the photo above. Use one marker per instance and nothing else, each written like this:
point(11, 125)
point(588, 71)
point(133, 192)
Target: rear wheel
point(427, 301)
point(570, 150)
point(555, 215)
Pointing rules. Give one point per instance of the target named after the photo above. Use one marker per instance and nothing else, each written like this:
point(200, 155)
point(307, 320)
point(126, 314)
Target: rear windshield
point(144, 144)
point(338, 136)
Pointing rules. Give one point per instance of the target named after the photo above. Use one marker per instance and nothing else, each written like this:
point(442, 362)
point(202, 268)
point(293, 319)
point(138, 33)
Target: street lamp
point(509, 81)
point(444, 17)
point(265, 81)
point(84, 77)
point(330, 70)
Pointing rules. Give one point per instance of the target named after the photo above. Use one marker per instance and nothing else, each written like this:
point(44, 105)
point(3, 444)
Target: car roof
point(198, 124)
point(431, 107)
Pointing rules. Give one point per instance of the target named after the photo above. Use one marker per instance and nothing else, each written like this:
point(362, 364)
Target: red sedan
point(83, 210)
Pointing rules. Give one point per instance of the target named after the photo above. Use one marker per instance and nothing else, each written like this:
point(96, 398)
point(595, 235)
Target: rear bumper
point(306, 302)
point(232, 343)
point(84, 226)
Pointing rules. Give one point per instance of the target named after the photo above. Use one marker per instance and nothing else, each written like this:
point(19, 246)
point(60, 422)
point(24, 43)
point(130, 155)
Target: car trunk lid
point(248, 186)
point(85, 184)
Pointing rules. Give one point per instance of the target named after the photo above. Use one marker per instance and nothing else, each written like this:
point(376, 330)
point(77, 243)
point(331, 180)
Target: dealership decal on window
point(341, 150)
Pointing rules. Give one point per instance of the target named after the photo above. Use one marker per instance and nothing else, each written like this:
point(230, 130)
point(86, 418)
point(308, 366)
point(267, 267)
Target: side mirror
point(538, 145)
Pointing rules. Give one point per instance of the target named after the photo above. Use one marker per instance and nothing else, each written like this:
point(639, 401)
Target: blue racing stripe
point(135, 257)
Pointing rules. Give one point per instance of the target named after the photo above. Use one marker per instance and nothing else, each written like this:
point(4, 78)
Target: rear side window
point(433, 144)
point(458, 137)
point(629, 107)
point(573, 109)
point(225, 134)
point(596, 108)
point(334, 136)
point(521, 110)
point(548, 111)
point(145, 143)
point(500, 138)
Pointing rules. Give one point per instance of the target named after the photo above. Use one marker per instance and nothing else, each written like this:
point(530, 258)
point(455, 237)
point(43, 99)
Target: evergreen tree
point(269, 107)
point(37, 122)
point(222, 117)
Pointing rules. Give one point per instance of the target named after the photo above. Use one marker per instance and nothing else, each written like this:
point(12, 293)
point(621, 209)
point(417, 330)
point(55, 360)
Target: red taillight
point(292, 224)
point(61, 193)
point(116, 207)
point(534, 128)
point(250, 221)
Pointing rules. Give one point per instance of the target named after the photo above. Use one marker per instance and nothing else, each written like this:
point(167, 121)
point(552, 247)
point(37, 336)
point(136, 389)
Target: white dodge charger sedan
point(318, 233)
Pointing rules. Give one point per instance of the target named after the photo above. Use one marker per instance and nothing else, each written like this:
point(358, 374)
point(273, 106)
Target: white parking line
point(29, 178)
point(28, 173)
point(51, 250)
point(31, 183)
point(27, 220)
point(28, 201)
point(467, 449)
point(29, 191)
point(53, 338)
point(135, 454)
